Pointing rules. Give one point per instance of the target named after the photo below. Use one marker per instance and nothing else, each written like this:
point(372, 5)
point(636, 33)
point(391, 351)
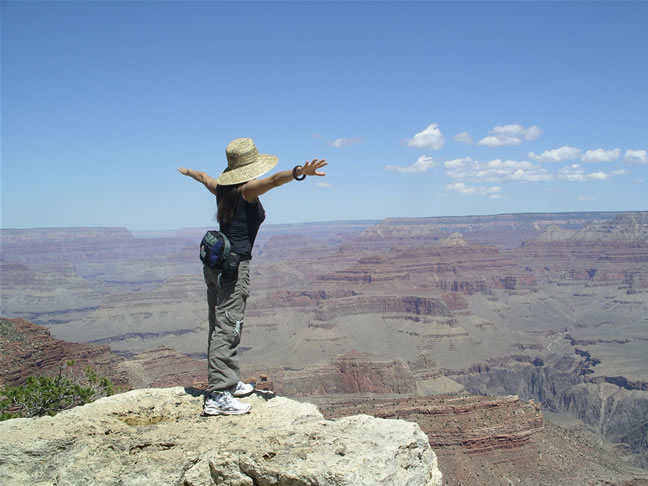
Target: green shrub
point(47, 395)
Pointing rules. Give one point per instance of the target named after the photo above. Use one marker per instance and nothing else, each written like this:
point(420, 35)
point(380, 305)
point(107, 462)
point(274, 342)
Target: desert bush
point(48, 395)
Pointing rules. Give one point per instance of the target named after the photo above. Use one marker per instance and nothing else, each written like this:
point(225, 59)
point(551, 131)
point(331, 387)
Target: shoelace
point(227, 399)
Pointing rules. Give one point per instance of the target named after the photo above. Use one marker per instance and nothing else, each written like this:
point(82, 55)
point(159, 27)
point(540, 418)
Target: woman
point(240, 214)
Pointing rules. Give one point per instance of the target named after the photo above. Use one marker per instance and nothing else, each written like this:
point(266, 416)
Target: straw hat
point(244, 162)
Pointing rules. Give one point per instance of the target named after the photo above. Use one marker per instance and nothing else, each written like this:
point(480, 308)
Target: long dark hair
point(227, 197)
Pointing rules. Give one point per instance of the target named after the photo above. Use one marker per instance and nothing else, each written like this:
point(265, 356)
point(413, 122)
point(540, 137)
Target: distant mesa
point(13, 236)
point(629, 228)
point(504, 231)
point(611, 251)
point(555, 233)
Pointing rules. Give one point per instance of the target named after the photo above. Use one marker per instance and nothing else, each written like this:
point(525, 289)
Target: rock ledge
point(158, 436)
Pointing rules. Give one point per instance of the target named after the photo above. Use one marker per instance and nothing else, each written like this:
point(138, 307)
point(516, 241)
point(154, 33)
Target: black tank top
point(244, 227)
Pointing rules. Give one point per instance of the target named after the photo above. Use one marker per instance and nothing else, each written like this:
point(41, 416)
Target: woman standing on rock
point(239, 214)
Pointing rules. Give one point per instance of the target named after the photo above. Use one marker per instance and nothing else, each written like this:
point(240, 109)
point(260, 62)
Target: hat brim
point(263, 164)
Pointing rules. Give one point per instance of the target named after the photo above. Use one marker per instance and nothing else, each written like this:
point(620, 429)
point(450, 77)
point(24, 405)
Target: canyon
point(550, 307)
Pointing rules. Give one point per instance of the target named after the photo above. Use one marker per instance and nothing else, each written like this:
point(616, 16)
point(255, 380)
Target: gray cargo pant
point(226, 313)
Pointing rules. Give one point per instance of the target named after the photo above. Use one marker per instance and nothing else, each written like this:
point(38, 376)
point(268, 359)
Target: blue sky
point(421, 108)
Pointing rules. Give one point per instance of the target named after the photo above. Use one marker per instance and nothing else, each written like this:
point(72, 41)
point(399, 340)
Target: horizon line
point(346, 221)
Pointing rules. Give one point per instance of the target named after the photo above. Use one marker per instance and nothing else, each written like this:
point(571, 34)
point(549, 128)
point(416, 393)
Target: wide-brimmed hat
point(244, 162)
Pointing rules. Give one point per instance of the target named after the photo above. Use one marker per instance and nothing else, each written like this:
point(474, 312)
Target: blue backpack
point(215, 250)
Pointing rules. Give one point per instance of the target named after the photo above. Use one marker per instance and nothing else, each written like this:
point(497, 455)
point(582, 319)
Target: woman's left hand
point(311, 168)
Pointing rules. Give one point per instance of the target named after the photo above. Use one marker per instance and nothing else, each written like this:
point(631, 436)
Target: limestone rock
point(158, 436)
point(455, 239)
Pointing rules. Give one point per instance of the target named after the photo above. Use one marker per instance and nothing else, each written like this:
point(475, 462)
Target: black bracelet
point(303, 176)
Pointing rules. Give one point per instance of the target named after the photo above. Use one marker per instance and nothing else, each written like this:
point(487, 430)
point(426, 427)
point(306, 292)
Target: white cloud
point(601, 176)
point(557, 155)
point(490, 192)
point(430, 138)
point(510, 135)
point(495, 170)
point(463, 137)
point(575, 173)
point(344, 142)
point(422, 164)
point(325, 185)
point(458, 163)
point(618, 172)
point(462, 188)
point(601, 155)
point(636, 156)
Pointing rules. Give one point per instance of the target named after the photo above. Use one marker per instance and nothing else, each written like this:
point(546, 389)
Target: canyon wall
point(562, 384)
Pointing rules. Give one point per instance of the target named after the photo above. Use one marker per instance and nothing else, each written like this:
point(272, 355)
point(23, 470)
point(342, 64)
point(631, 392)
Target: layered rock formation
point(164, 367)
point(419, 306)
point(564, 384)
point(138, 321)
point(38, 235)
point(628, 228)
point(473, 423)
point(292, 246)
point(450, 264)
point(503, 231)
point(156, 436)
point(353, 372)
point(48, 293)
point(28, 349)
point(58, 275)
point(498, 441)
point(614, 251)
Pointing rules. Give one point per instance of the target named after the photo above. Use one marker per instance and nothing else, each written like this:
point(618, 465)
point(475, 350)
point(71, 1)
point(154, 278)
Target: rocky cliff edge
point(158, 436)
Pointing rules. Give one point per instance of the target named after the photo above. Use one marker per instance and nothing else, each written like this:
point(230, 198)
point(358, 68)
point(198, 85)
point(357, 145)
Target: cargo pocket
point(235, 321)
point(244, 280)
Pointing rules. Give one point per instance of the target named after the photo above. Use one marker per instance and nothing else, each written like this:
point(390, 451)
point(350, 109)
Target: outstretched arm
point(203, 177)
point(253, 189)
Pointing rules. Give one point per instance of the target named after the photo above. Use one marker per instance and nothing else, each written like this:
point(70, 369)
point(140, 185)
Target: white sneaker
point(242, 389)
point(223, 403)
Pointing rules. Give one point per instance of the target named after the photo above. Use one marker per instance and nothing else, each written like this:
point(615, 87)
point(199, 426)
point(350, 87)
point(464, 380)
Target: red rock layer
point(28, 349)
point(476, 424)
point(353, 372)
point(164, 367)
point(305, 297)
point(456, 268)
point(381, 304)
